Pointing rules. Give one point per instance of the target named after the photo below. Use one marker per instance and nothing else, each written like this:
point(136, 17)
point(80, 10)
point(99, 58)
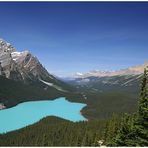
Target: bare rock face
point(20, 65)
point(6, 62)
point(29, 66)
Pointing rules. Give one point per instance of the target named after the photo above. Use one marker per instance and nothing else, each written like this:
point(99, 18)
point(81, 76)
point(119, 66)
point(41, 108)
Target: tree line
point(119, 130)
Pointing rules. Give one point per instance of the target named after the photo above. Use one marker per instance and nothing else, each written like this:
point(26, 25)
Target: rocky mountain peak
point(6, 62)
point(6, 47)
point(18, 57)
point(19, 65)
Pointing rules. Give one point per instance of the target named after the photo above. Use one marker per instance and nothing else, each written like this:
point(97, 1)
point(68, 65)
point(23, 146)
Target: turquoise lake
point(30, 112)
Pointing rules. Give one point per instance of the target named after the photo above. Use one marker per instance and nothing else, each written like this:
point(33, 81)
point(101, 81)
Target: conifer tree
point(141, 124)
point(143, 102)
point(134, 129)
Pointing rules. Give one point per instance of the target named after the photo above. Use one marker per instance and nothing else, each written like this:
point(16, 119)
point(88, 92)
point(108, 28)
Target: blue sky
point(77, 36)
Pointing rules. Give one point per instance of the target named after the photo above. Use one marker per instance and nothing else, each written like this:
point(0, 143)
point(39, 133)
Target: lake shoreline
point(33, 111)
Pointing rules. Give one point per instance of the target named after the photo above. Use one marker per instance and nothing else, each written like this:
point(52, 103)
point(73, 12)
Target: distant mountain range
point(123, 77)
point(134, 70)
point(108, 92)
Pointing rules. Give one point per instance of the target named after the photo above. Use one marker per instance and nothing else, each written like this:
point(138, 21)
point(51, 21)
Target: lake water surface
point(30, 112)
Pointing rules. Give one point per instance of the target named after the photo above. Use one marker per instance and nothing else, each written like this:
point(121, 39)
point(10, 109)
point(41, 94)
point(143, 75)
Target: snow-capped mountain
point(135, 70)
point(23, 66)
point(97, 78)
point(7, 64)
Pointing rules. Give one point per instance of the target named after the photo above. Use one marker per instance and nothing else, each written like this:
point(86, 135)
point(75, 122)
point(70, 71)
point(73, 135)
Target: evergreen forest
point(119, 130)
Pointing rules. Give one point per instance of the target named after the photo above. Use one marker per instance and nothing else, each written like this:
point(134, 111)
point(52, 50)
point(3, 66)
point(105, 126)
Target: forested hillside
point(99, 105)
point(120, 130)
point(53, 131)
point(108, 95)
point(134, 129)
point(15, 92)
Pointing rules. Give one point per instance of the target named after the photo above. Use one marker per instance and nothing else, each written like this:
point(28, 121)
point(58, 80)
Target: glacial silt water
point(30, 112)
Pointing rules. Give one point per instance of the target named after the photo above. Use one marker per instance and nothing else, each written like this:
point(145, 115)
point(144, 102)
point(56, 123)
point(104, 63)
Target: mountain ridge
point(25, 67)
point(24, 78)
point(133, 70)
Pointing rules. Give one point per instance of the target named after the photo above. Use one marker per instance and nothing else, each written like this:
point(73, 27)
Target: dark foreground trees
point(53, 131)
point(134, 128)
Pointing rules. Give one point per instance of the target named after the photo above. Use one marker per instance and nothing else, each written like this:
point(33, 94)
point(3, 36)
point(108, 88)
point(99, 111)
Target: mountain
point(20, 65)
point(123, 77)
point(23, 66)
point(108, 92)
point(24, 78)
point(134, 70)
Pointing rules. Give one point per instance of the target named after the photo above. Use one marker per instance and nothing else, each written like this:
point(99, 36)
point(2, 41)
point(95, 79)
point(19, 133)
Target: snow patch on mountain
point(23, 66)
point(79, 74)
point(6, 47)
point(135, 70)
point(53, 85)
point(47, 83)
point(19, 56)
point(131, 80)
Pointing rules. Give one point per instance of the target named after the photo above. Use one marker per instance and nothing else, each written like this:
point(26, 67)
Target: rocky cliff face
point(20, 65)
point(29, 66)
point(7, 65)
